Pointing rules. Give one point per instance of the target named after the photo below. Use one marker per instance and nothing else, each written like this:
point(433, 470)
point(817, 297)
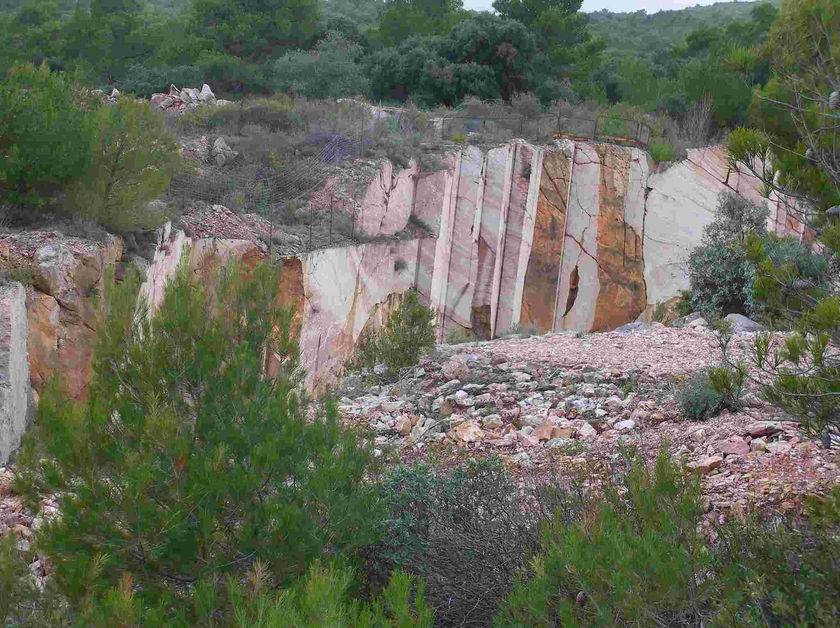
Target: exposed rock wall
point(334, 293)
point(64, 304)
point(576, 235)
point(15, 389)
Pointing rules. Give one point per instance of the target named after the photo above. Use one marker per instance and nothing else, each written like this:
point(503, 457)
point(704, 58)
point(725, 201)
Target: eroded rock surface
point(64, 303)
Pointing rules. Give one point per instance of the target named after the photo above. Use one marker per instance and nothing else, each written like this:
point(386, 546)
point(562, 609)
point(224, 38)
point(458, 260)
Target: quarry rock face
point(15, 389)
point(64, 304)
point(334, 293)
point(574, 235)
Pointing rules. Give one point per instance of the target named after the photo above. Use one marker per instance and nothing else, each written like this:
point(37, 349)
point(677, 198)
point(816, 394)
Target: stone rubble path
point(562, 404)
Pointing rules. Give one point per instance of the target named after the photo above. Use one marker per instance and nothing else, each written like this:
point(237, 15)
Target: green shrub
point(711, 391)
point(21, 602)
point(638, 559)
point(230, 74)
point(719, 270)
point(187, 465)
point(323, 598)
point(408, 334)
point(331, 70)
point(786, 570)
point(661, 151)
point(134, 159)
point(45, 136)
point(466, 532)
point(458, 336)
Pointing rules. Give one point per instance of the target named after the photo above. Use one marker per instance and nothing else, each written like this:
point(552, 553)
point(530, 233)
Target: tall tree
point(402, 19)
point(795, 148)
point(256, 30)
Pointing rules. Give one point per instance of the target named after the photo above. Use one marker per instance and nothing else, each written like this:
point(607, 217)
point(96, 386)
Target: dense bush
point(323, 598)
point(331, 70)
point(407, 335)
point(186, 465)
point(134, 158)
point(466, 532)
point(786, 569)
point(720, 273)
point(144, 80)
point(45, 135)
point(639, 559)
point(661, 151)
point(711, 391)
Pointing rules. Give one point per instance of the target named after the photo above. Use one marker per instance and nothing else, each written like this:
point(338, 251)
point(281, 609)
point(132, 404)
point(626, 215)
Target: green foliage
point(485, 56)
point(642, 34)
point(719, 270)
point(729, 93)
point(401, 19)
point(22, 601)
point(45, 136)
point(466, 532)
point(457, 336)
point(323, 598)
point(408, 334)
point(253, 29)
point(134, 159)
point(187, 465)
point(331, 70)
point(709, 392)
point(794, 150)
point(787, 572)
point(638, 559)
point(143, 80)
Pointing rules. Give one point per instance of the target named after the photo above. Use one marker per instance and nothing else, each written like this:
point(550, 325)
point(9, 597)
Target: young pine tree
point(187, 465)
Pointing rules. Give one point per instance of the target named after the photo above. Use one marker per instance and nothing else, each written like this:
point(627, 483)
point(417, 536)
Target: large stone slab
point(512, 261)
point(387, 204)
point(579, 277)
point(539, 298)
point(498, 170)
point(622, 295)
point(15, 388)
point(343, 288)
point(462, 270)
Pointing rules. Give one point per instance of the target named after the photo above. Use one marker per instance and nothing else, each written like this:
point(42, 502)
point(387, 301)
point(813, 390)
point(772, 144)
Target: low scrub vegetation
point(639, 557)
point(709, 392)
point(406, 336)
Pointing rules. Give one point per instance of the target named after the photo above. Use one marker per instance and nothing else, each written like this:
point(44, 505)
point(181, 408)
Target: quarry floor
point(566, 407)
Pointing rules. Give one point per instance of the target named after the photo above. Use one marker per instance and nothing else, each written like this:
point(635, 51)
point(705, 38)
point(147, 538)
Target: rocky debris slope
point(562, 402)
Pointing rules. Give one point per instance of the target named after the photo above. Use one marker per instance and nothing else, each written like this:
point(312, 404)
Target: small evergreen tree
point(187, 464)
point(134, 159)
point(406, 336)
point(45, 136)
point(797, 153)
point(638, 560)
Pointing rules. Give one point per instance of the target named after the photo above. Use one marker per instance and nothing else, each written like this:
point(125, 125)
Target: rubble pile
point(181, 100)
point(558, 402)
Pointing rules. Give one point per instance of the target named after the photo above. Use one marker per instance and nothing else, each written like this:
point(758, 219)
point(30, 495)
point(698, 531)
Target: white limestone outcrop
point(15, 388)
